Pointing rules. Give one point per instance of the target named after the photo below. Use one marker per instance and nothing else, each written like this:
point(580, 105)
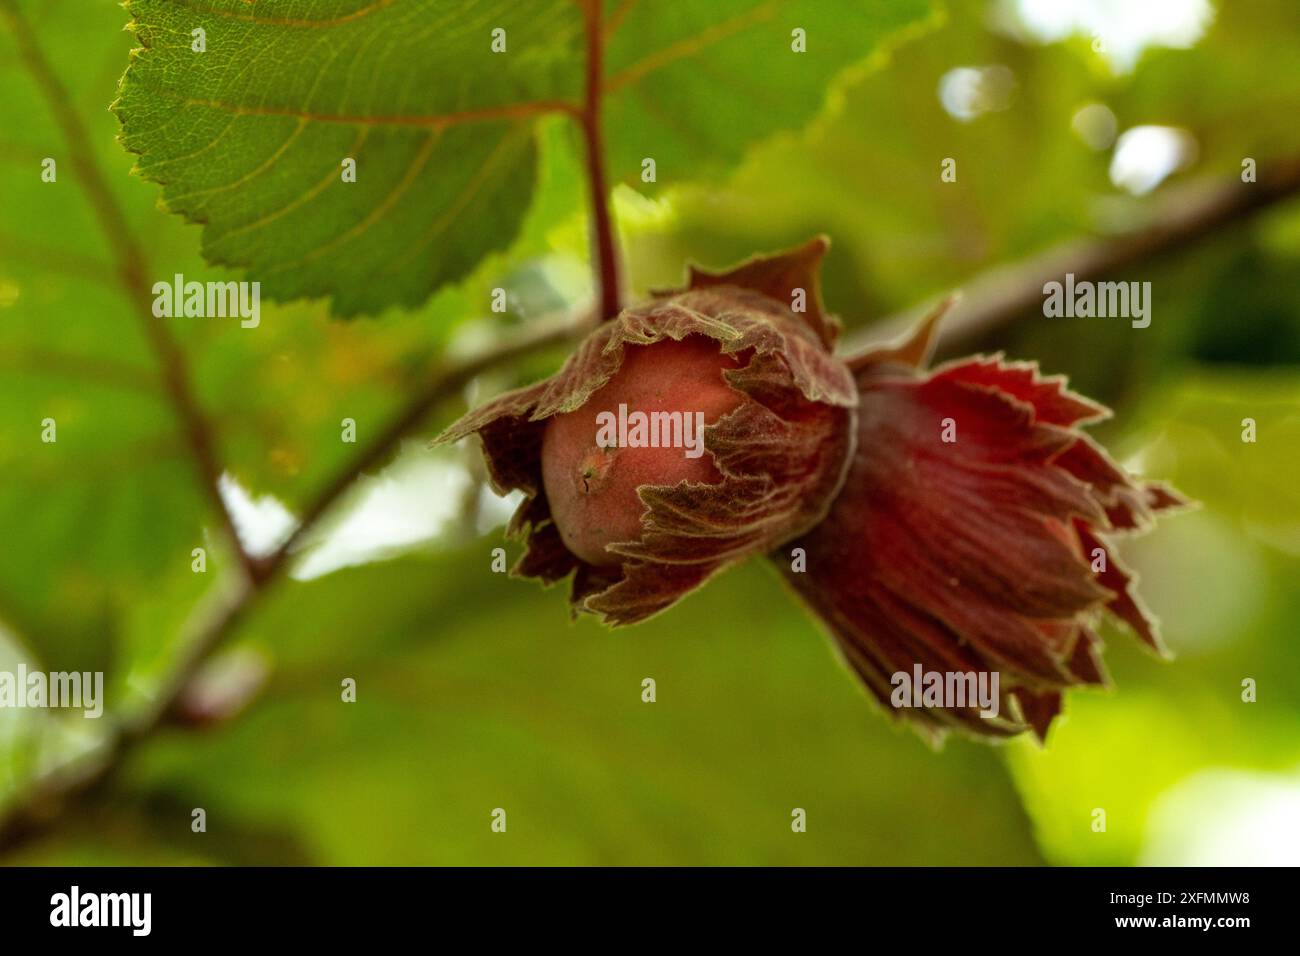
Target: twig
point(132, 269)
point(443, 384)
point(605, 252)
point(990, 300)
point(1183, 216)
point(220, 614)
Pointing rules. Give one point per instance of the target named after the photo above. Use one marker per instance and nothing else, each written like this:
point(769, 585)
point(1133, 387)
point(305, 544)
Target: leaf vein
point(471, 190)
point(307, 196)
point(251, 174)
point(692, 46)
point(413, 169)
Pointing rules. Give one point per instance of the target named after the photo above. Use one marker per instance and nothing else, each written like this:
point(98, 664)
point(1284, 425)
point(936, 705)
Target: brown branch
point(1186, 220)
point(220, 614)
point(132, 268)
point(49, 796)
point(990, 301)
point(444, 384)
point(1180, 218)
point(604, 248)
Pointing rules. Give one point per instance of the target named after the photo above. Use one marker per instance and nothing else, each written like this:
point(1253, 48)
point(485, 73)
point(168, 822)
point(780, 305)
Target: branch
point(221, 612)
point(1179, 218)
point(219, 615)
point(444, 384)
point(605, 252)
point(132, 268)
point(992, 299)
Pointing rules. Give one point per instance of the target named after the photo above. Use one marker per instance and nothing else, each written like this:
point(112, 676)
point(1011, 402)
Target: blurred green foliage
point(475, 691)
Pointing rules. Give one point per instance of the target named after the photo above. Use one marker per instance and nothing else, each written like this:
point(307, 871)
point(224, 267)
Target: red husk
point(975, 555)
point(782, 453)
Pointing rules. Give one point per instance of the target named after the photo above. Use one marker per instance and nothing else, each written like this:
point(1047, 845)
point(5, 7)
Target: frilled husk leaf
point(782, 454)
point(975, 555)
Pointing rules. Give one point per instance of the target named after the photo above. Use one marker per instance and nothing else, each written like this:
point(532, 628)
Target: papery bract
point(779, 455)
point(957, 520)
point(969, 536)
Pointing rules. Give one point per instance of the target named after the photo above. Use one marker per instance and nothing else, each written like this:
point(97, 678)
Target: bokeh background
point(476, 691)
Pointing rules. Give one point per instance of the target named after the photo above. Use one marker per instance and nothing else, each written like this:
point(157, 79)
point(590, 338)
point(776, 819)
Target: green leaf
point(1231, 441)
point(1222, 581)
point(248, 137)
point(474, 691)
point(98, 527)
point(95, 519)
point(693, 85)
point(1122, 754)
point(281, 391)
